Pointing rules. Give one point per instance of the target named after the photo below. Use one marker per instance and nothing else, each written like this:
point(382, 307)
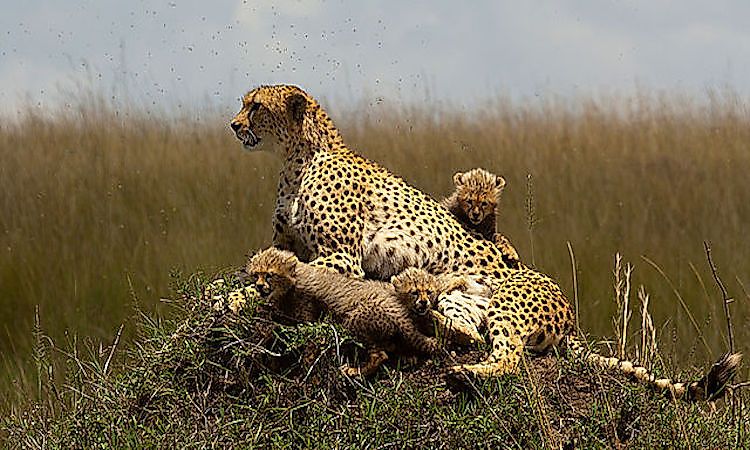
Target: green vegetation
point(204, 378)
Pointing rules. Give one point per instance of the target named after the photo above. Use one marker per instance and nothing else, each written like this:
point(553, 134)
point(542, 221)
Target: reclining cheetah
point(474, 204)
point(349, 214)
point(371, 310)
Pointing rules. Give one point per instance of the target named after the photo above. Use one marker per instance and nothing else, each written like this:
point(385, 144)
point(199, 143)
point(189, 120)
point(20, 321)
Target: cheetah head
point(271, 113)
point(417, 289)
point(272, 272)
point(478, 193)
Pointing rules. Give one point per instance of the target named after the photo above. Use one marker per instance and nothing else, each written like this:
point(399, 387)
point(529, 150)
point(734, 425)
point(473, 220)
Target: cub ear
point(499, 183)
point(458, 179)
point(291, 261)
point(296, 106)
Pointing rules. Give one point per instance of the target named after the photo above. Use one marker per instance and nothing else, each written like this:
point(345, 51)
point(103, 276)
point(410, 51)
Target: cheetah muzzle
point(244, 133)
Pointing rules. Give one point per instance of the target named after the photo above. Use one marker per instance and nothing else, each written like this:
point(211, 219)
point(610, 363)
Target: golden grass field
point(98, 205)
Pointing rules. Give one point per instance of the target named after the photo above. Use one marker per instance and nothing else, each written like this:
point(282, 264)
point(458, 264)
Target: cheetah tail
point(710, 387)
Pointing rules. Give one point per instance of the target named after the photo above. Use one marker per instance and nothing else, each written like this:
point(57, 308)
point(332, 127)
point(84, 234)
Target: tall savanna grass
point(98, 204)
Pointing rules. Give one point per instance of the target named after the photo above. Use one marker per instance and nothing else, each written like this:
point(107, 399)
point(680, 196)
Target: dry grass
point(96, 203)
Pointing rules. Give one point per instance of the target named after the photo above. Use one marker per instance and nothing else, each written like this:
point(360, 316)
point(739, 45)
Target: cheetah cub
point(368, 309)
point(474, 204)
point(419, 289)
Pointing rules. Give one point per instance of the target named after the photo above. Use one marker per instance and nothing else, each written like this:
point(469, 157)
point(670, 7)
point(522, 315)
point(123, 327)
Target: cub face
point(416, 288)
point(476, 207)
point(271, 271)
point(478, 193)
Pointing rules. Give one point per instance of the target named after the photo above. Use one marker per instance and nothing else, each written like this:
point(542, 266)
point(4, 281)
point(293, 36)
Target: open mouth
point(420, 311)
point(248, 138)
point(263, 290)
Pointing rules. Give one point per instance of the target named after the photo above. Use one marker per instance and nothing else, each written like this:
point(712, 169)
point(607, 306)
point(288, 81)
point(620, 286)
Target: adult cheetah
point(341, 211)
point(349, 214)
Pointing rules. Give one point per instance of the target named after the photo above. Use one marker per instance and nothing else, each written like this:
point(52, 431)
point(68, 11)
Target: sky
point(194, 53)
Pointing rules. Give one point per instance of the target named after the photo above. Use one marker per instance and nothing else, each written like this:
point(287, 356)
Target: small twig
point(648, 332)
point(726, 299)
point(622, 297)
point(315, 363)
point(740, 385)
point(339, 360)
point(112, 350)
point(626, 313)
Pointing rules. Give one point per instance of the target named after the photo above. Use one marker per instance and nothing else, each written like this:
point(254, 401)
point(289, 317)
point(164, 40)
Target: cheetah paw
point(349, 371)
point(238, 298)
point(481, 370)
point(461, 333)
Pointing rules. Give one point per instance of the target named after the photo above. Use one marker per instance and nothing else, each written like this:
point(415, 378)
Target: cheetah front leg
point(376, 358)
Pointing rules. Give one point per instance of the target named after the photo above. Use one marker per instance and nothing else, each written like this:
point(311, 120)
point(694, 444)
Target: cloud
point(191, 52)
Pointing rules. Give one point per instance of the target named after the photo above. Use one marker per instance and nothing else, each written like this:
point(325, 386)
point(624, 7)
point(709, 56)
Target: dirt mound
point(206, 378)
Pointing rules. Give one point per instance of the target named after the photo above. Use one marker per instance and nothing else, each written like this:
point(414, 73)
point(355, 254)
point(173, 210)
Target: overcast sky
point(196, 52)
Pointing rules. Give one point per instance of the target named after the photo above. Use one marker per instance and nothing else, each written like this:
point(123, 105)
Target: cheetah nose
point(235, 126)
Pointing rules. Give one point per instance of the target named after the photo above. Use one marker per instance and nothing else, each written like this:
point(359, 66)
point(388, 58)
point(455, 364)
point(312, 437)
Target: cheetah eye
point(415, 293)
point(254, 107)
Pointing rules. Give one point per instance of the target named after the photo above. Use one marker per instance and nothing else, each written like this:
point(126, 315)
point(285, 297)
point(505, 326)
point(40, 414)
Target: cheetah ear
point(499, 183)
point(296, 106)
point(458, 179)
